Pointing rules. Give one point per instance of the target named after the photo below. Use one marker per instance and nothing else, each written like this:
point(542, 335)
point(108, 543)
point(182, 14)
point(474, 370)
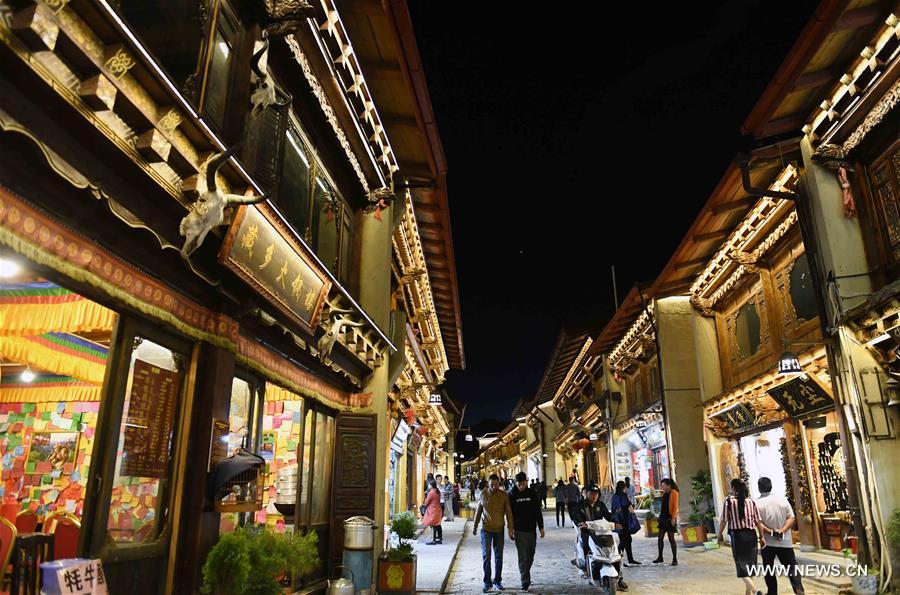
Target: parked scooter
point(603, 555)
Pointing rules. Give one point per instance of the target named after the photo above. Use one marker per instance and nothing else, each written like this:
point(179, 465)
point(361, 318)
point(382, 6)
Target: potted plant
point(651, 524)
point(397, 566)
point(254, 561)
point(694, 531)
point(863, 583)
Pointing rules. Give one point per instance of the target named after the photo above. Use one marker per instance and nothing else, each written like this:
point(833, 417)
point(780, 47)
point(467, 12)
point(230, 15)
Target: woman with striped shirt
point(745, 529)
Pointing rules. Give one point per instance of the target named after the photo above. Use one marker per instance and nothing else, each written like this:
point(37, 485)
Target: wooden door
point(353, 490)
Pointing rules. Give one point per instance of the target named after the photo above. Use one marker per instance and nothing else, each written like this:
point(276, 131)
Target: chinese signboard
point(801, 396)
point(148, 427)
point(737, 417)
point(264, 253)
point(398, 441)
point(81, 577)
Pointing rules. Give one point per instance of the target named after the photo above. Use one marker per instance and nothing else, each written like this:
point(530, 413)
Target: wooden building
point(148, 331)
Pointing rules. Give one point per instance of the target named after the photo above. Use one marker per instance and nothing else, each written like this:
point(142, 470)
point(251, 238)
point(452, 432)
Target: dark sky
point(576, 141)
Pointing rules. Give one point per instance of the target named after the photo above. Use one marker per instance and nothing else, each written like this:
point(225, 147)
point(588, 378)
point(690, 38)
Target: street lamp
point(789, 365)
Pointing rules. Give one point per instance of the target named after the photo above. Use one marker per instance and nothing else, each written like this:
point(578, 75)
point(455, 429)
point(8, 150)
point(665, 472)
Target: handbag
point(422, 509)
point(633, 524)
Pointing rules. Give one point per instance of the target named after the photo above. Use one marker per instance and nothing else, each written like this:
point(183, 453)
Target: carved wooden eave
point(631, 423)
point(631, 348)
point(416, 286)
point(152, 124)
point(814, 362)
point(876, 68)
point(767, 222)
point(334, 41)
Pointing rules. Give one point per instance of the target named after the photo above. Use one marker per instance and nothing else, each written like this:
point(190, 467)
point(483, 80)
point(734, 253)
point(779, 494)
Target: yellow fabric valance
point(48, 394)
point(39, 316)
point(48, 357)
point(276, 393)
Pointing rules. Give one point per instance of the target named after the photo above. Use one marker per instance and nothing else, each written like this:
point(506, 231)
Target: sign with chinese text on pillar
point(801, 396)
point(261, 250)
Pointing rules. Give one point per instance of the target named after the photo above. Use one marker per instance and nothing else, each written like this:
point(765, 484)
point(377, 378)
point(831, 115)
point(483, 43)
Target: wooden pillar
point(200, 525)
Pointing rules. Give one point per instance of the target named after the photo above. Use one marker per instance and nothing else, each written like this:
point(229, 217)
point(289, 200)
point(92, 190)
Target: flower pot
point(693, 535)
point(397, 577)
point(651, 527)
point(865, 585)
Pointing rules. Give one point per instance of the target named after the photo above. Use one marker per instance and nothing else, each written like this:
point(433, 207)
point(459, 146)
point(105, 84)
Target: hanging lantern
point(410, 415)
point(788, 364)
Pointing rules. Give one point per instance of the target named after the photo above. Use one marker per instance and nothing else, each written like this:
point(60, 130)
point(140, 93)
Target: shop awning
point(58, 353)
point(43, 307)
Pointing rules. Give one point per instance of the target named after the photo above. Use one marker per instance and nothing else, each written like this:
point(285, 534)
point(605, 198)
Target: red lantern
point(410, 415)
point(580, 444)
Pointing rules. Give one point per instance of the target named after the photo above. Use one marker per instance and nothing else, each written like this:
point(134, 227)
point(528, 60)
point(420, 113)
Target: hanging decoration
point(59, 353)
point(45, 388)
point(36, 308)
point(805, 504)
point(786, 464)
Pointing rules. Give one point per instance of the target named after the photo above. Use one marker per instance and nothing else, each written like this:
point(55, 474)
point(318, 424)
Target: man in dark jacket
point(573, 494)
point(526, 511)
point(593, 509)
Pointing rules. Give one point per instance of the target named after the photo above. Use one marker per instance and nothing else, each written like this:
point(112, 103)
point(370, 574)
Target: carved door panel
point(353, 490)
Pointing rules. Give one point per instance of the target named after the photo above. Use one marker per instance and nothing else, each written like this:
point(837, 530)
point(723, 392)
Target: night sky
point(575, 143)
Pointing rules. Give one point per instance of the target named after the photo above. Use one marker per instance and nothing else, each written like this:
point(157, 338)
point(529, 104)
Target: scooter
point(603, 555)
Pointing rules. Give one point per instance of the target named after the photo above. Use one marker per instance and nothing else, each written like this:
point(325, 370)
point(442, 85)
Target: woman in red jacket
point(434, 514)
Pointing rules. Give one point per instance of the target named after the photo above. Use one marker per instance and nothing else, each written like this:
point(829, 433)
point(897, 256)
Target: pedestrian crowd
point(515, 507)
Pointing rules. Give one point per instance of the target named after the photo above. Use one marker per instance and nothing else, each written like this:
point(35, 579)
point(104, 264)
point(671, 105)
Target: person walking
point(573, 494)
point(543, 493)
point(777, 518)
point(433, 514)
point(559, 492)
point(622, 507)
point(447, 498)
point(668, 519)
point(527, 514)
point(629, 489)
point(457, 497)
point(495, 508)
point(592, 508)
point(744, 526)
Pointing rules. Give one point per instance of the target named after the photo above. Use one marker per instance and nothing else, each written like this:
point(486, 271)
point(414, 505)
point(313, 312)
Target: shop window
point(54, 353)
point(153, 394)
point(215, 94)
point(747, 330)
point(308, 201)
point(173, 32)
point(803, 295)
point(884, 179)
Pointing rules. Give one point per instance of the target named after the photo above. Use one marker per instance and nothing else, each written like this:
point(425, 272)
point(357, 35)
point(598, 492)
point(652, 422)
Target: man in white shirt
point(777, 517)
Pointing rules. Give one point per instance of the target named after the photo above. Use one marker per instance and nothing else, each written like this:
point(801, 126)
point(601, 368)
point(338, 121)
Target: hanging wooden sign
point(738, 417)
point(261, 250)
point(801, 396)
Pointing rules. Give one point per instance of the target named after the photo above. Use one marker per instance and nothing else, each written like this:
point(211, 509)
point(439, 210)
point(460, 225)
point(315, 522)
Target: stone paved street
point(698, 572)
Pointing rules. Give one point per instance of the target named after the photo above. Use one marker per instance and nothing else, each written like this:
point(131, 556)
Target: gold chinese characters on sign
point(264, 253)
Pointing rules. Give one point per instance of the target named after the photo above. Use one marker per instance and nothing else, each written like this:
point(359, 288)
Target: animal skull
point(209, 210)
point(326, 341)
point(263, 94)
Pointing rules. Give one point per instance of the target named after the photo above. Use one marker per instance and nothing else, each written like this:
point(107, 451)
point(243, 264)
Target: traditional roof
point(385, 44)
point(569, 345)
point(826, 48)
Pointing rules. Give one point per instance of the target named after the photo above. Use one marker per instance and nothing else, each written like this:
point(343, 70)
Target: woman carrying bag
point(434, 514)
point(622, 511)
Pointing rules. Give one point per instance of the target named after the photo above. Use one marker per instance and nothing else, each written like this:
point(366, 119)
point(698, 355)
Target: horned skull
point(209, 210)
point(263, 94)
point(337, 322)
